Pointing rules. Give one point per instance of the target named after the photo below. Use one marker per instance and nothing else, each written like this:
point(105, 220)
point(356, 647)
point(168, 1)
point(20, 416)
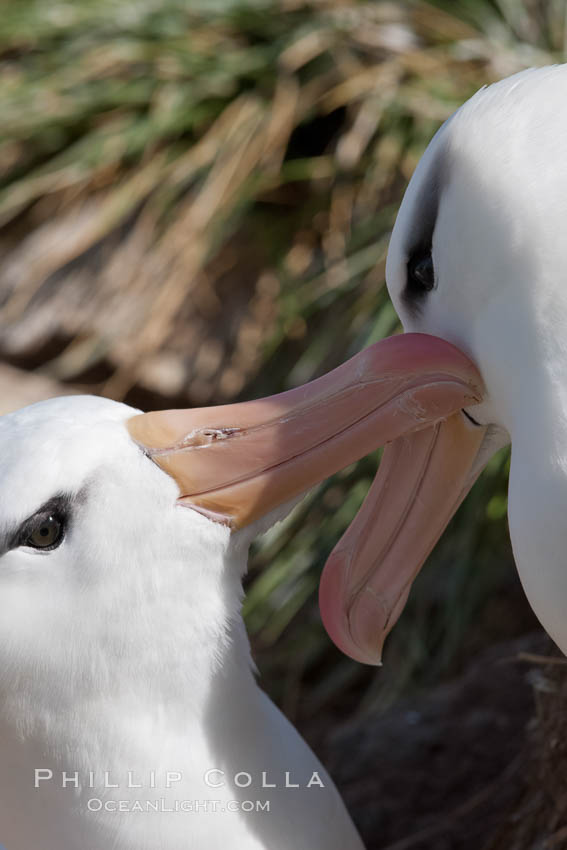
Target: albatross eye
point(46, 528)
point(421, 274)
point(46, 533)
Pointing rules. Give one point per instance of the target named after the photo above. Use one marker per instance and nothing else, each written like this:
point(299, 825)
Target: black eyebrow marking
point(59, 505)
point(423, 220)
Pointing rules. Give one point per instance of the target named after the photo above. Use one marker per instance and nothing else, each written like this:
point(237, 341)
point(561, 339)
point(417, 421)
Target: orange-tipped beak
point(236, 463)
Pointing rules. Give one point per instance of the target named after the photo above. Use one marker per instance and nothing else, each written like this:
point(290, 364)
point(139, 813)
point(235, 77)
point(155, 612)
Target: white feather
point(500, 259)
point(124, 650)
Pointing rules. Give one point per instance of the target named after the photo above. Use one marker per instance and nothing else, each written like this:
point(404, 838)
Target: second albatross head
point(478, 257)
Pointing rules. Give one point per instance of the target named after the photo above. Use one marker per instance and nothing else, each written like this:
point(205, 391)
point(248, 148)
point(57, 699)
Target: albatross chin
point(124, 536)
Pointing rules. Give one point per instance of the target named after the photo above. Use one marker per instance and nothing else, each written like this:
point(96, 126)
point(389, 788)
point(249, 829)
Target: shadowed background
point(195, 205)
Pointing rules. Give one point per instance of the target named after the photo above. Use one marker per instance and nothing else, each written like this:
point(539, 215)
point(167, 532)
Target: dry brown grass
point(137, 169)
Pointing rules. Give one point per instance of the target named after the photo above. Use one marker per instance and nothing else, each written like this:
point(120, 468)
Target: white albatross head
point(478, 257)
point(99, 570)
point(123, 656)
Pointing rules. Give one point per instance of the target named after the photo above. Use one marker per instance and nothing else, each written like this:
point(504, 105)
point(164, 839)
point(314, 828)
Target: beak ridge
point(236, 463)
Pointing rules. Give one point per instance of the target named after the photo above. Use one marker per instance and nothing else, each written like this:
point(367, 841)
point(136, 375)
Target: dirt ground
point(465, 766)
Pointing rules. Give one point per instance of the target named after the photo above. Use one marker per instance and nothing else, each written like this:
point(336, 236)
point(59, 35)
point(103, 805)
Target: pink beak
point(236, 463)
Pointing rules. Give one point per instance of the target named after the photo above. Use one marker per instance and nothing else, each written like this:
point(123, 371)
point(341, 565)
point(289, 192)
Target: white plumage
point(123, 650)
point(498, 173)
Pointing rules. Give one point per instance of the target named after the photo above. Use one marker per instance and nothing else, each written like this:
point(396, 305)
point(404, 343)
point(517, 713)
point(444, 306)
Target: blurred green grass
point(195, 204)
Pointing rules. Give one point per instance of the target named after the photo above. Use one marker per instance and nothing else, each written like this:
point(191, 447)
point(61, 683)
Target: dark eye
point(421, 274)
point(46, 532)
